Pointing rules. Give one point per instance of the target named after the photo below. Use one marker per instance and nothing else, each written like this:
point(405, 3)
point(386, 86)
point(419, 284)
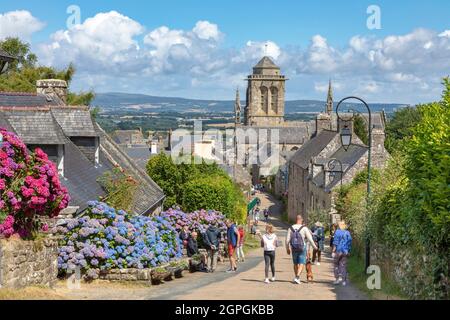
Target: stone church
point(264, 111)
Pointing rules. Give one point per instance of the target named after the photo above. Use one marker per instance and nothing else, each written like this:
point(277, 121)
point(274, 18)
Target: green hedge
point(409, 212)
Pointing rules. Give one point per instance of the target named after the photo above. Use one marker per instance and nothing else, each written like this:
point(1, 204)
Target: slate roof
point(140, 154)
point(312, 148)
point(35, 127)
point(75, 122)
point(81, 177)
point(148, 193)
point(288, 135)
point(25, 99)
point(266, 63)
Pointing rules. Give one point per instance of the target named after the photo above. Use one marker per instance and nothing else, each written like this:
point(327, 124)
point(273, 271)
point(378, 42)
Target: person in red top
point(240, 246)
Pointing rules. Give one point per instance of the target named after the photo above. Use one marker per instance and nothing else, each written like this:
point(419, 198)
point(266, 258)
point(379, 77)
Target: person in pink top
point(240, 247)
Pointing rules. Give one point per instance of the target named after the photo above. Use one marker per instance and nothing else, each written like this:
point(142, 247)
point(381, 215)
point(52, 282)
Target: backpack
point(297, 243)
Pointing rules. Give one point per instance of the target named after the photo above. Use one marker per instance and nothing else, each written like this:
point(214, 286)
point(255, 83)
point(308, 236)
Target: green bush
point(409, 212)
point(194, 184)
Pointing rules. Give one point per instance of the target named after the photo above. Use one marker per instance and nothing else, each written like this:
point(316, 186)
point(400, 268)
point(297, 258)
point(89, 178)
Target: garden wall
point(25, 263)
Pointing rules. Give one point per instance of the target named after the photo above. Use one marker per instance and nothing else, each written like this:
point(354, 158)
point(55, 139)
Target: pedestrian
point(256, 216)
point(269, 242)
point(296, 243)
point(254, 228)
point(319, 238)
point(184, 235)
point(342, 244)
point(192, 244)
point(233, 239)
point(240, 247)
point(212, 238)
point(266, 215)
point(192, 249)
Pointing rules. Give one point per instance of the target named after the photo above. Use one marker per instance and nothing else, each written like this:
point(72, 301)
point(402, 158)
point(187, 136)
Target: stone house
point(312, 182)
point(78, 146)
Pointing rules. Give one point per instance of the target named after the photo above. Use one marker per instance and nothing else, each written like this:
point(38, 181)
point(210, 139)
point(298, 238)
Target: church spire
point(329, 109)
point(237, 108)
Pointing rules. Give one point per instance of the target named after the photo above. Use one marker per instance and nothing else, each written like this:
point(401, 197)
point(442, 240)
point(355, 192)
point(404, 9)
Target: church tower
point(265, 95)
point(237, 109)
point(329, 108)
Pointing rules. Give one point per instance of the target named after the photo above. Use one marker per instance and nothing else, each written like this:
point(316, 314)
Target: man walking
point(212, 241)
point(296, 243)
point(233, 239)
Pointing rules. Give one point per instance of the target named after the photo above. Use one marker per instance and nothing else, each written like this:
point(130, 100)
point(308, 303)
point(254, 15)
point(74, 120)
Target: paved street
point(247, 283)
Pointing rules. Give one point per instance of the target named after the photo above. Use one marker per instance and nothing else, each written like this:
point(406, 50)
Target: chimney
point(54, 88)
point(323, 122)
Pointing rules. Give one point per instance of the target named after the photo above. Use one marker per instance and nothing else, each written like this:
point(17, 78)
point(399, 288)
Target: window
point(264, 99)
point(274, 99)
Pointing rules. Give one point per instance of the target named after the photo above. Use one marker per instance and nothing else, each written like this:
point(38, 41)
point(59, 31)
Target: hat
point(318, 224)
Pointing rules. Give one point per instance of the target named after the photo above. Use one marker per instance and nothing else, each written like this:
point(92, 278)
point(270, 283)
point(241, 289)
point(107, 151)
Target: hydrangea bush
point(106, 238)
point(197, 220)
point(29, 188)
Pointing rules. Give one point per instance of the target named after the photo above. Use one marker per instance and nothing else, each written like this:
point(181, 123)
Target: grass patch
point(251, 242)
point(389, 289)
point(30, 293)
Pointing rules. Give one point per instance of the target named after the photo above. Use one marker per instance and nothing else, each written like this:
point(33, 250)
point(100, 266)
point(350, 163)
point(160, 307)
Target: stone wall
point(26, 263)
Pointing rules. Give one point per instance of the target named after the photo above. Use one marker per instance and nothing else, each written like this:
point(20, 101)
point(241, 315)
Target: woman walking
point(270, 242)
point(342, 244)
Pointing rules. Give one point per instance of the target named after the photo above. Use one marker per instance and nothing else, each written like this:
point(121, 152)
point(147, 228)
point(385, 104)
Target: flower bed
point(197, 220)
point(106, 239)
point(29, 188)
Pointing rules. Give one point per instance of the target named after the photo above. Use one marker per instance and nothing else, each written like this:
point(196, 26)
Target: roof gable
point(312, 148)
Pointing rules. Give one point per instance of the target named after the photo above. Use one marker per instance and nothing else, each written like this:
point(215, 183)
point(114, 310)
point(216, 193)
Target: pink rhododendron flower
point(29, 186)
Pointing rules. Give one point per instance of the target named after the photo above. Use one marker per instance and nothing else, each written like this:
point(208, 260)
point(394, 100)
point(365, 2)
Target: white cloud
point(20, 24)
point(112, 52)
point(103, 42)
point(206, 30)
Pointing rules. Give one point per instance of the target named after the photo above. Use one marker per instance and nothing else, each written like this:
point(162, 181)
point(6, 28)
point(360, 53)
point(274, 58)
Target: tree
point(166, 174)
point(400, 126)
point(25, 71)
point(360, 129)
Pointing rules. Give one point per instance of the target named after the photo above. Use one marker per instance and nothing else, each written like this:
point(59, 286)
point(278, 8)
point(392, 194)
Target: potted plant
point(195, 262)
point(177, 268)
point(160, 274)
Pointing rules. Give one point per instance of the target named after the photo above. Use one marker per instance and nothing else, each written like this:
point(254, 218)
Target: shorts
point(231, 249)
point(299, 257)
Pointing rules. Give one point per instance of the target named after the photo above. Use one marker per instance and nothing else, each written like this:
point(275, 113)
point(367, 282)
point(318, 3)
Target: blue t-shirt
point(342, 241)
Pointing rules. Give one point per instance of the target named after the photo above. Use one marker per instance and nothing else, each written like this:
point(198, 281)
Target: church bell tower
point(265, 95)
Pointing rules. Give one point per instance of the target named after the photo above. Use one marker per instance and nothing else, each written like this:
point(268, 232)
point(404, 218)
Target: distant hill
point(124, 102)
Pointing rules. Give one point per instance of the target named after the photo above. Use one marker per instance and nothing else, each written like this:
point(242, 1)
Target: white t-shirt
point(270, 241)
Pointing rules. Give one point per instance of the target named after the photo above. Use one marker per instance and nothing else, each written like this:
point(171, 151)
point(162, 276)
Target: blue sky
point(203, 49)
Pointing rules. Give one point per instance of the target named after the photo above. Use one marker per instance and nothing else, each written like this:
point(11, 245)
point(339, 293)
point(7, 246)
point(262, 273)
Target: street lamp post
point(331, 165)
point(346, 139)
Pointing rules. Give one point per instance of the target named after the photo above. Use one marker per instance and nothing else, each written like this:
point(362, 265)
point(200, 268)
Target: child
point(270, 242)
point(253, 229)
point(240, 248)
point(342, 244)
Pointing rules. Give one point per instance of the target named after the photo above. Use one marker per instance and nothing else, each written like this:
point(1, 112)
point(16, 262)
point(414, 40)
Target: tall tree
point(23, 73)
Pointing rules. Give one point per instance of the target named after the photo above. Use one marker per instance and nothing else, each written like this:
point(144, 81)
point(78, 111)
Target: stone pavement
point(248, 283)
